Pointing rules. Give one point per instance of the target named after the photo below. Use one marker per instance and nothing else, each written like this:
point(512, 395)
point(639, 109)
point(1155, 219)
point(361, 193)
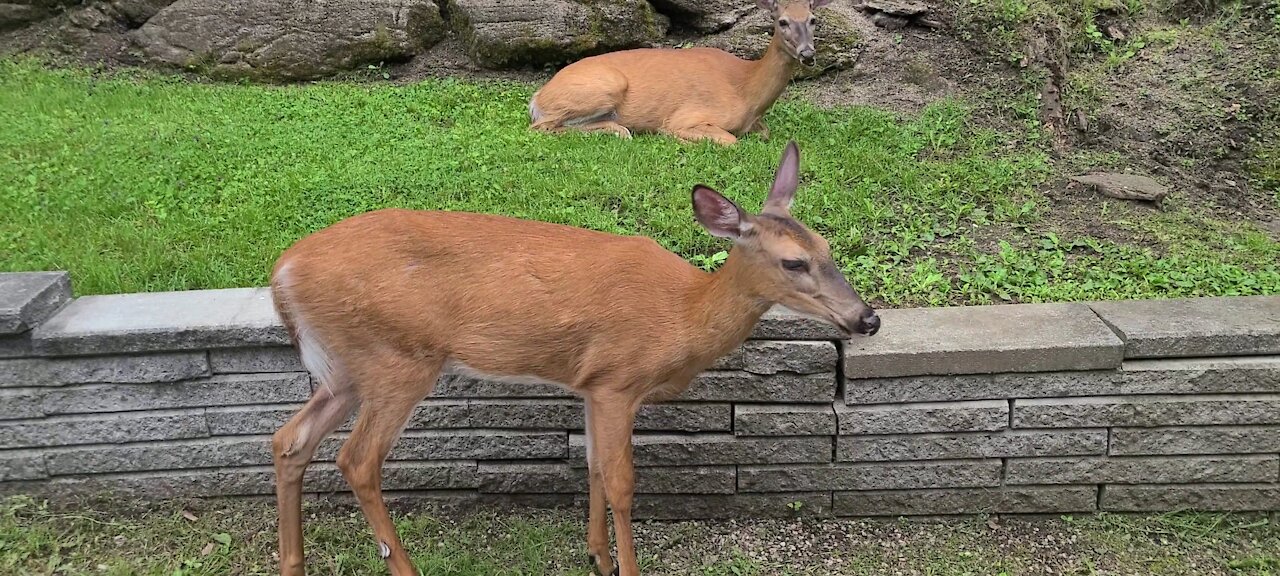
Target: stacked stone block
point(1061, 408)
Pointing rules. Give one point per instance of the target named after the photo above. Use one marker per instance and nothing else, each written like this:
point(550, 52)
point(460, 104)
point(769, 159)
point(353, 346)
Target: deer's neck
point(725, 308)
point(769, 76)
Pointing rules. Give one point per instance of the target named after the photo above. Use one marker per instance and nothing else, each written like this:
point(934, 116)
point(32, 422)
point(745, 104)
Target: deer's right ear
point(770, 5)
point(719, 215)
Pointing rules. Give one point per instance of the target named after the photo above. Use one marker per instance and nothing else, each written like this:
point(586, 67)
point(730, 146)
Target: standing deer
point(381, 303)
point(690, 94)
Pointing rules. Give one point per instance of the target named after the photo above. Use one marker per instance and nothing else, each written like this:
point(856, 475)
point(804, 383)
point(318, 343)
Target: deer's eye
point(813, 21)
point(783, 23)
point(795, 265)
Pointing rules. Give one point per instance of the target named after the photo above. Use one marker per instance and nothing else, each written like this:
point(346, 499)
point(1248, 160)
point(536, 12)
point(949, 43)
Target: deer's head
point(793, 22)
point(782, 260)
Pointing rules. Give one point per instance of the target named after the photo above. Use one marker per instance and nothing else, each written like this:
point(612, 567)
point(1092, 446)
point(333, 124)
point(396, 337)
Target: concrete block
point(1201, 376)
point(259, 481)
point(162, 321)
point(458, 414)
point(682, 417)
point(923, 417)
point(465, 445)
point(984, 340)
point(560, 477)
point(1143, 470)
point(735, 359)
point(125, 369)
point(726, 506)
point(29, 298)
point(1180, 376)
point(459, 386)
point(1226, 326)
point(20, 403)
point(782, 323)
point(253, 360)
point(774, 356)
point(530, 478)
point(1147, 411)
point(222, 390)
point(1004, 500)
point(965, 445)
point(1201, 497)
point(783, 420)
point(103, 429)
point(714, 449)
point(879, 476)
point(172, 455)
point(1210, 440)
point(247, 420)
point(18, 465)
point(451, 475)
point(16, 346)
point(747, 387)
point(541, 414)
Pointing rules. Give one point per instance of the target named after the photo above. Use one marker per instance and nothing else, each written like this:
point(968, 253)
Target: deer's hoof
point(595, 566)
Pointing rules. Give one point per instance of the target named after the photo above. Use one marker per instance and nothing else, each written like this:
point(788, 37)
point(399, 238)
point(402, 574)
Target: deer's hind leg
point(705, 132)
point(390, 388)
point(292, 447)
point(575, 101)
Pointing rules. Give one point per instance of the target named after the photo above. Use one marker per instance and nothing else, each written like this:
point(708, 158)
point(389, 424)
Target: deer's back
point(492, 292)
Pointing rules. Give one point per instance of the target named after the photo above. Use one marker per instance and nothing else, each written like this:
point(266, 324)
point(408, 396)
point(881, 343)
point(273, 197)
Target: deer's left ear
point(818, 3)
point(785, 181)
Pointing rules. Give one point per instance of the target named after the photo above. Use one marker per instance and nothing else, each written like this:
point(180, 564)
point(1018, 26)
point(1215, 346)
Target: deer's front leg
point(597, 515)
point(611, 426)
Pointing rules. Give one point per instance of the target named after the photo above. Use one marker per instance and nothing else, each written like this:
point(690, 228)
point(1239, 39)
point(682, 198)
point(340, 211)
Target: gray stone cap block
point(185, 320)
point(224, 318)
point(782, 323)
point(1189, 327)
point(28, 298)
point(984, 340)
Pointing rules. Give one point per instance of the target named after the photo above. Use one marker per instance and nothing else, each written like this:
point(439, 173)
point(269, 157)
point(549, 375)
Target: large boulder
point(507, 33)
point(135, 12)
point(837, 39)
point(288, 39)
point(18, 13)
point(708, 16)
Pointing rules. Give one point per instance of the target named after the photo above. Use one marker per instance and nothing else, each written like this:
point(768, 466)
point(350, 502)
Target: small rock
point(888, 22)
point(1124, 186)
point(901, 8)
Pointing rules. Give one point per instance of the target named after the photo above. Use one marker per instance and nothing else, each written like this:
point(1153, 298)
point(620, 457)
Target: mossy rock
point(287, 41)
point(507, 33)
point(19, 13)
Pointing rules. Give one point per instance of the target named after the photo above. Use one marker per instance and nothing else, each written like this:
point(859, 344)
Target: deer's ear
point(719, 215)
point(785, 180)
point(813, 4)
point(770, 5)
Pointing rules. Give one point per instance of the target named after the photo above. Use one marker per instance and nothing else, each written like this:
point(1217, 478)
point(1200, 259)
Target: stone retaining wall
point(1039, 408)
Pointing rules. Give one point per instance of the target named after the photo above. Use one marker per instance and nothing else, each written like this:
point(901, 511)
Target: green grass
point(229, 537)
point(140, 182)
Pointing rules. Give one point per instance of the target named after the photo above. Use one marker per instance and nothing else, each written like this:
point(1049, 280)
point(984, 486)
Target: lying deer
point(690, 94)
point(380, 304)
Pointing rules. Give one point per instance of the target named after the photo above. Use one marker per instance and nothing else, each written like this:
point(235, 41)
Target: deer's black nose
point(869, 324)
